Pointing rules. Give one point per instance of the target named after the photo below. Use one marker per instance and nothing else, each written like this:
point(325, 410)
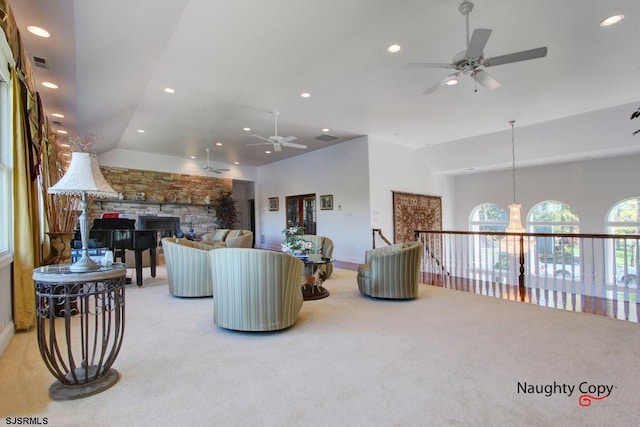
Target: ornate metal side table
point(80, 325)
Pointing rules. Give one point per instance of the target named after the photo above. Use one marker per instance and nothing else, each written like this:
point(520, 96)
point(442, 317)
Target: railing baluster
point(581, 272)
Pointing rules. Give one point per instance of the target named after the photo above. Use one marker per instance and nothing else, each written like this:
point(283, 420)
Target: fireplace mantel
point(156, 203)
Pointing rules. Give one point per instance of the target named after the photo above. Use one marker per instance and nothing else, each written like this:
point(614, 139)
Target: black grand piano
point(118, 234)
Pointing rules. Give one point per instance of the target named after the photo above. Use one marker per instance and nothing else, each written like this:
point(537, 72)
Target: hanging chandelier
point(513, 244)
point(515, 219)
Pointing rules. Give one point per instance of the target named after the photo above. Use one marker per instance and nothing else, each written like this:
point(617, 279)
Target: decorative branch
point(635, 115)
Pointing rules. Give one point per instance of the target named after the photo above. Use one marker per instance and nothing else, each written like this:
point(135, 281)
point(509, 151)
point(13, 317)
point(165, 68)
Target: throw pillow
point(235, 233)
point(220, 234)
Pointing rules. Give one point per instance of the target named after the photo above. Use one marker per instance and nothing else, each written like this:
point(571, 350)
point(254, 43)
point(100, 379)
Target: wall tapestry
point(415, 212)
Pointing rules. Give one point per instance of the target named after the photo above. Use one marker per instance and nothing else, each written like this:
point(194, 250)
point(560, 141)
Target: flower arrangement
point(293, 242)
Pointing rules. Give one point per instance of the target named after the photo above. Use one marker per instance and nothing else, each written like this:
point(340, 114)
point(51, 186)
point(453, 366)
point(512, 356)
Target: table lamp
point(84, 178)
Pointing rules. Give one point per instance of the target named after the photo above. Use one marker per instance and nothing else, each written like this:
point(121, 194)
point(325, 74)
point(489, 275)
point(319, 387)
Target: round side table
point(312, 288)
point(80, 325)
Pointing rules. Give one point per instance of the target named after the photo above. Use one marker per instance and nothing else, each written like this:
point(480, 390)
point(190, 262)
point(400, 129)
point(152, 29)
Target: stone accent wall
point(165, 194)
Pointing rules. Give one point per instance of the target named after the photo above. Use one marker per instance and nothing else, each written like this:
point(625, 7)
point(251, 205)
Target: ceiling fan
point(469, 61)
point(210, 168)
point(278, 141)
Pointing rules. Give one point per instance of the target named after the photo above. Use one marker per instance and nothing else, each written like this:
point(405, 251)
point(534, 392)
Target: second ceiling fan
point(470, 60)
point(278, 141)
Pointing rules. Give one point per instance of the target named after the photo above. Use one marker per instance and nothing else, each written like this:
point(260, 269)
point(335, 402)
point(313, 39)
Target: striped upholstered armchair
point(187, 267)
point(323, 245)
point(391, 271)
point(255, 290)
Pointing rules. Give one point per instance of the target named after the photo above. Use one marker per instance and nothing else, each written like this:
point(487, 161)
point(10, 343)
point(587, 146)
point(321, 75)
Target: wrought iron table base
point(80, 327)
point(59, 391)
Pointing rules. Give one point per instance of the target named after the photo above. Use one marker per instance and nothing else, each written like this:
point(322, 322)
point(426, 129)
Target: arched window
point(488, 217)
point(552, 216)
point(624, 219)
point(485, 250)
point(560, 256)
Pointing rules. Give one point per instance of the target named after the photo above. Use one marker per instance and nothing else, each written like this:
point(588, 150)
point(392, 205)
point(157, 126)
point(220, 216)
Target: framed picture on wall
point(273, 203)
point(326, 202)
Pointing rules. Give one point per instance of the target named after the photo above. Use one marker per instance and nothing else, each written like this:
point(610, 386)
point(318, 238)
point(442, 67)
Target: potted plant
point(227, 214)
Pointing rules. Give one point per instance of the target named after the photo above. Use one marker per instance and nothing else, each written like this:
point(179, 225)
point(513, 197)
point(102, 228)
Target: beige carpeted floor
point(447, 358)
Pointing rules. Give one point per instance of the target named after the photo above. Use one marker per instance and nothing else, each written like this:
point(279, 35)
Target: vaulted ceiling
point(233, 63)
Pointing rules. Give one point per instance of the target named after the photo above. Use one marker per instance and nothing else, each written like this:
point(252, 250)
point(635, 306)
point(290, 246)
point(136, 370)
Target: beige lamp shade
point(83, 176)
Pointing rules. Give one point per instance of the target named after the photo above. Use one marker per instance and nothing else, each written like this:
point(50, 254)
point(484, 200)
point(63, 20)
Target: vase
point(60, 248)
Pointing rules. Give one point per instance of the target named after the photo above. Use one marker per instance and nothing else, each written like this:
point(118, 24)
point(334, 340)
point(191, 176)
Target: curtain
point(26, 215)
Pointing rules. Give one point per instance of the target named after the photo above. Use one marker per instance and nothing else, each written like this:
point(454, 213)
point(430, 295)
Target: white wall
point(591, 187)
point(341, 170)
point(395, 167)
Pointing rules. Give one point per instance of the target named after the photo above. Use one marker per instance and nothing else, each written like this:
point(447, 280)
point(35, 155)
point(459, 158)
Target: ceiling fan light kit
point(470, 60)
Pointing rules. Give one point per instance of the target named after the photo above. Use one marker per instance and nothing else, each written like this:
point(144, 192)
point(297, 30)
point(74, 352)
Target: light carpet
point(447, 358)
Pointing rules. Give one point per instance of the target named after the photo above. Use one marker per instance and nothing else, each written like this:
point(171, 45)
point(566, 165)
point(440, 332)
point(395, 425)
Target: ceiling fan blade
point(440, 84)
point(277, 146)
point(289, 139)
point(261, 143)
point(428, 65)
point(222, 170)
point(290, 144)
point(485, 79)
point(516, 57)
point(478, 42)
point(262, 137)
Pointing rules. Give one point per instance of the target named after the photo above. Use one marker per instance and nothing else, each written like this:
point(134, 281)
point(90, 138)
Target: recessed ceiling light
point(452, 81)
point(305, 94)
point(140, 130)
point(611, 20)
point(325, 130)
point(193, 157)
point(64, 132)
point(394, 48)
point(57, 115)
point(236, 163)
point(268, 152)
point(219, 144)
point(246, 129)
point(40, 32)
point(50, 85)
point(169, 90)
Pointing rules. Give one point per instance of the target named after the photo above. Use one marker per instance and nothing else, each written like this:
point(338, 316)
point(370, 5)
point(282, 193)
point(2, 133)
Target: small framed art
point(273, 203)
point(326, 202)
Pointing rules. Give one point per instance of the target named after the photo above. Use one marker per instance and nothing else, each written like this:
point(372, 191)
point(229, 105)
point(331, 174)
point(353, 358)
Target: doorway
point(301, 211)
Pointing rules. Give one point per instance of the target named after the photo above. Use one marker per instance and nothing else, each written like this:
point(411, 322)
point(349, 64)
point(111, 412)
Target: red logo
point(585, 399)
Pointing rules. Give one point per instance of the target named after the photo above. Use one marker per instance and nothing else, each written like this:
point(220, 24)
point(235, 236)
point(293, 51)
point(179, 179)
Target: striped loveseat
point(188, 268)
point(391, 271)
point(255, 290)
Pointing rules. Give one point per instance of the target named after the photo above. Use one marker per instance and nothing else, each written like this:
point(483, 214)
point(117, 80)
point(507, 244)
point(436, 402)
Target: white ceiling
point(232, 63)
